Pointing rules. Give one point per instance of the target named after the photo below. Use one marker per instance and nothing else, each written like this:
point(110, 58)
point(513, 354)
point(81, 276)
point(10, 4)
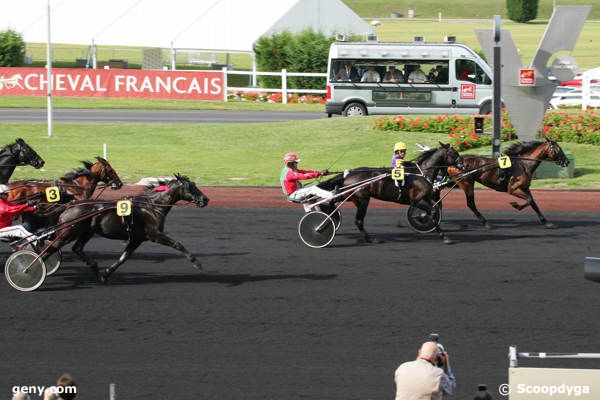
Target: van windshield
point(389, 71)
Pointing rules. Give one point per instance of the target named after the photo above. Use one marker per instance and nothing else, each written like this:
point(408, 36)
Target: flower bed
point(460, 129)
point(582, 128)
point(276, 97)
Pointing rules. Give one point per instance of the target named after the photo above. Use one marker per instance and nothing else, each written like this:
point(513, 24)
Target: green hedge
point(303, 52)
point(521, 10)
point(12, 49)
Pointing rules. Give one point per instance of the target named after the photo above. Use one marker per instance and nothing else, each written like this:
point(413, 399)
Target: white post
point(585, 90)
point(439, 16)
point(284, 86)
point(224, 69)
point(173, 55)
point(49, 73)
point(254, 69)
point(513, 356)
point(112, 391)
point(94, 56)
point(104, 151)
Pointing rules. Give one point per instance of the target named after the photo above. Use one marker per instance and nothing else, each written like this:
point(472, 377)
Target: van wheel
point(354, 110)
point(485, 109)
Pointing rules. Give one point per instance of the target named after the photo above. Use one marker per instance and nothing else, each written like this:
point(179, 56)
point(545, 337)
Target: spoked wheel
point(24, 270)
point(423, 222)
point(316, 229)
point(52, 262)
point(337, 219)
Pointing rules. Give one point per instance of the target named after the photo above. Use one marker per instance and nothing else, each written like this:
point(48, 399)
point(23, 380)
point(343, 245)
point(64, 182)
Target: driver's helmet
point(399, 146)
point(290, 157)
point(4, 189)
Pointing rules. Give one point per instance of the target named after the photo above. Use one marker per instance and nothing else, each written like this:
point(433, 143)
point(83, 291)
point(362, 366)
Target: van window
point(469, 70)
point(389, 71)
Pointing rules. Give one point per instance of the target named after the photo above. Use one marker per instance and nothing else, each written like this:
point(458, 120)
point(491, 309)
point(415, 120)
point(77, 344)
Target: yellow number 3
point(504, 162)
point(52, 194)
point(123, 208)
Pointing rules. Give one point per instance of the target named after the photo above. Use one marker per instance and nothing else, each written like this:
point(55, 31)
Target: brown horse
point(76, 185)
point(525, 158)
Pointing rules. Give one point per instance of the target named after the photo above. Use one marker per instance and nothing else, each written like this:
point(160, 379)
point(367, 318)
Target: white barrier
point(283, 90)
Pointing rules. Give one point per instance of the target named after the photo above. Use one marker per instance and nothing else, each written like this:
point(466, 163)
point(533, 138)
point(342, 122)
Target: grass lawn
point(152, 104)
point(457, 9)
point(236, 154)
point(526, 36)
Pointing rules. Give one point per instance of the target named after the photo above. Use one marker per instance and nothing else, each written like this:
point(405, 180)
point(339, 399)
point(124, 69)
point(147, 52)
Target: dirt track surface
point(281, 321)
point(272, 197)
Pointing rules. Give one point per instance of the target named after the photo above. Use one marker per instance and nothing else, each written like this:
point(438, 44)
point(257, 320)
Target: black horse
point(416, 190)
point(146, 222)
point(16, 154)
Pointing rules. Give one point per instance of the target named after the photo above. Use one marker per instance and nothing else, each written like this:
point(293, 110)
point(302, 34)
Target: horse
point(75, 185)
point(17, 154)
point(416, 190)
point(525, 158)
point(81, 220)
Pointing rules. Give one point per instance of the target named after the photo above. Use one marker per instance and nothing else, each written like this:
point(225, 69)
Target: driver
point(291, 176)
point(8, 212)
point(399, 154)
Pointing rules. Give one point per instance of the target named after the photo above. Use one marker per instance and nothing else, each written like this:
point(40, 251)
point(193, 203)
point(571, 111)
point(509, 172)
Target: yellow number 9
point(123, 208)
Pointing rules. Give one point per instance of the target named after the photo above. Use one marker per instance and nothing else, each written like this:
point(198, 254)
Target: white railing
point(283, 90)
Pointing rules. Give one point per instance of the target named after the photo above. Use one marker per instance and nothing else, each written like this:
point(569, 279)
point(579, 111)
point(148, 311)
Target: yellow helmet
point(400, 146)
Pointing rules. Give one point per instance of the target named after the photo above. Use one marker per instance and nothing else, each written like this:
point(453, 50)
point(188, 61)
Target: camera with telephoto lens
point(441, 360)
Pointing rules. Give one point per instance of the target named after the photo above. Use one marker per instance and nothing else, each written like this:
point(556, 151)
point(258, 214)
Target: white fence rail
point(283, 90)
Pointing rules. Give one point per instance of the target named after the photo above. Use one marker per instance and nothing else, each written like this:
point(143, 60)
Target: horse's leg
point(526, 195)
point(130, 248)
point(469, 188)
point(78, 249)
point(362, 203)
point(162, 238)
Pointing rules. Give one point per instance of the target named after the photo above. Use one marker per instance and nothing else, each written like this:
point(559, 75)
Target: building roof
point(207, 25)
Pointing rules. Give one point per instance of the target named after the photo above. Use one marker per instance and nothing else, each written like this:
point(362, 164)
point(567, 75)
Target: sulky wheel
point(423, 222)
point(52, 262)
point(24, 270)
point(316, 229)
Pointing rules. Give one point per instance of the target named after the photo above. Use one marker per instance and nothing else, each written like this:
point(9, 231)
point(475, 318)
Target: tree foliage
point(12, 49)
point(521, 10)
point(303, 52)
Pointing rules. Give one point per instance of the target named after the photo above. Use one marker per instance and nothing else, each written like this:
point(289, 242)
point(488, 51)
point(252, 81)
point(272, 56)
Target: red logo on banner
point(467, 91)
point(526, 77)
point(191, 85)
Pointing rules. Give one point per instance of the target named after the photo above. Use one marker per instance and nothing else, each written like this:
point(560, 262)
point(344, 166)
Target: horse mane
point(424, 156)
point(79, 172)
point(519, 148)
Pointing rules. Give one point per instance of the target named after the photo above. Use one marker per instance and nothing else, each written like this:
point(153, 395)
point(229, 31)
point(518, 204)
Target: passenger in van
point(465, 70)
point(417, 75)
point(434, 74)
point(393, 75)
point(371, 75)
point(347, 73)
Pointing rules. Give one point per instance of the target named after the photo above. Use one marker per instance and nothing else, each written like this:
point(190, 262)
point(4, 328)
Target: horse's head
point(104, 172)
point(555, 153)
point(188, 191)
point(451, 157)
point(24, 154)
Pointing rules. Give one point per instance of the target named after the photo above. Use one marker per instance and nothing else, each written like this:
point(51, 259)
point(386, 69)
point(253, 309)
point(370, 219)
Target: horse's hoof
point(488, 226)
point(549, 225)
point(104, 278)
point(377, 241)
point(197, 265)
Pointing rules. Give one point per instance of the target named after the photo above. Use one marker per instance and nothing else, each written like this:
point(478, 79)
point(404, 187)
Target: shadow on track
point(78, 281)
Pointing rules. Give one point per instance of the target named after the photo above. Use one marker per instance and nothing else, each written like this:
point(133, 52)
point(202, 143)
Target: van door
point(473, 86)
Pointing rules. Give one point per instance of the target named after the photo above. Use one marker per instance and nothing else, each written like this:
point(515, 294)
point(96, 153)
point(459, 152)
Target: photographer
point(429, 377)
